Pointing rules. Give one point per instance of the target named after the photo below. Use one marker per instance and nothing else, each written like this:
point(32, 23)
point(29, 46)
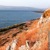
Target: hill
point(17, 8)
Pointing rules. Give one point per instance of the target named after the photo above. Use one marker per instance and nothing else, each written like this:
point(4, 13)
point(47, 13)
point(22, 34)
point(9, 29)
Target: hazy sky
point(28, 3)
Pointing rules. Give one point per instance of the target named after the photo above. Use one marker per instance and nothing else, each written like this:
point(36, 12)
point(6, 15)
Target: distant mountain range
point(21, 8)
point(16, 8)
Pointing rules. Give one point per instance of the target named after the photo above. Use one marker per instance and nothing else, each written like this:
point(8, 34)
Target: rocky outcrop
point(32, 35)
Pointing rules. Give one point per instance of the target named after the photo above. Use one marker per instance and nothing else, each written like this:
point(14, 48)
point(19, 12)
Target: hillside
point(31, 35)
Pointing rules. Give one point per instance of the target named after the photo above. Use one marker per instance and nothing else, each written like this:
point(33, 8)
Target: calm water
point(10, 17)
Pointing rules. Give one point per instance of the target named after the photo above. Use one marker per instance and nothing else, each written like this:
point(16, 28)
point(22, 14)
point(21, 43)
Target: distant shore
point(38, 11)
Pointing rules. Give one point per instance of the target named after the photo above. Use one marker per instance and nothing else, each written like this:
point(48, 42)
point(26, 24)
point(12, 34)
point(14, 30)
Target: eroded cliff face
point(32, 35)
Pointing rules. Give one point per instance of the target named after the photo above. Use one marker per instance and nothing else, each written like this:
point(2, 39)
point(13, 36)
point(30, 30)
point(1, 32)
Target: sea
point(11, 17)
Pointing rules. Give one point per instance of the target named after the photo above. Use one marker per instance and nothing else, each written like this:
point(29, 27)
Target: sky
point(27, 3)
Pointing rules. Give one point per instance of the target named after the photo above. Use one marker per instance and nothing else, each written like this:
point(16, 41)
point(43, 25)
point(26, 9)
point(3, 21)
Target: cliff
point(31, 35)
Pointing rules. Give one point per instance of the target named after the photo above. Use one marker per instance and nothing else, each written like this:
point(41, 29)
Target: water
point(11, 17)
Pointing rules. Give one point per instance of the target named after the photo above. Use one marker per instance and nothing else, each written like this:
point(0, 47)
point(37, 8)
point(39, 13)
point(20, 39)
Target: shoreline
point(15, 26)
